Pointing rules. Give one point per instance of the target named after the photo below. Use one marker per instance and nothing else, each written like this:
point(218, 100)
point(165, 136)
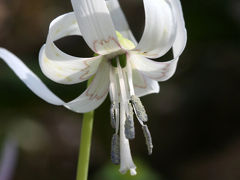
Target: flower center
point(126, 44)
point(124, 104)
point(122, 61)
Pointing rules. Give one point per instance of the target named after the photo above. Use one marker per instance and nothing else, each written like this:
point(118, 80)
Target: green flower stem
point(85, 142)
point(85, 146)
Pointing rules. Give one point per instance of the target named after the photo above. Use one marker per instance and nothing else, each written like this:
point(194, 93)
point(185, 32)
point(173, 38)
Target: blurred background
point(194, 121)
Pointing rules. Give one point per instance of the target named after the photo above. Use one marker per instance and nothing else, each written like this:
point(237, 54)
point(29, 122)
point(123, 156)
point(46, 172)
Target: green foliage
point(144, 172)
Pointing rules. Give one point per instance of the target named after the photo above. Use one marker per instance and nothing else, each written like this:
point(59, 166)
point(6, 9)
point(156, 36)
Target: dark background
point(194, 121)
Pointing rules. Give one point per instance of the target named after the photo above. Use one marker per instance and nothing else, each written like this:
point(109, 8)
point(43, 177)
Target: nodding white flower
point(122, 66)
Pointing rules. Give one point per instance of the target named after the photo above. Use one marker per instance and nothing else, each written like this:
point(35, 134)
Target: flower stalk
point(85, 143)
point(85, 146)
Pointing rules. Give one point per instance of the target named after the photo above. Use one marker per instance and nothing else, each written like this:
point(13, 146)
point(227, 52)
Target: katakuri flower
point(122, 66)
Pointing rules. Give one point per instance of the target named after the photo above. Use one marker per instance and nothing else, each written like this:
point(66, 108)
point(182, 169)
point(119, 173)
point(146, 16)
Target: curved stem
point(85, 146)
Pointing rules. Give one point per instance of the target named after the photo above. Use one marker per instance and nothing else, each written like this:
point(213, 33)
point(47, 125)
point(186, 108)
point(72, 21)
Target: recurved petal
point(29, 78)
point(59, 66)
point(181, 37)
point(142, 84)
point(64, 25)
point(96, 25)
point(70, 70)
point(159, 71)
point(95, 94)
point(160, 29)
point(162, 71)
point(119, 20)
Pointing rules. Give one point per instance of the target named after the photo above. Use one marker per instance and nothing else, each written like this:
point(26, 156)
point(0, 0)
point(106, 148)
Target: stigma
point(124, 104)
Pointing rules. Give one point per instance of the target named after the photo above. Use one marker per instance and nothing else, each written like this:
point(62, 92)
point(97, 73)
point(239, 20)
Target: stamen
point(129, 124)
point(129, 77)
point(113, 115)
point(113, 85)
point(126, 162)
point(126, 83)
point(117, 118)
point(121, 82)
point(115, 150)
point(139, 109)
point(114, 110)
point(148, 138)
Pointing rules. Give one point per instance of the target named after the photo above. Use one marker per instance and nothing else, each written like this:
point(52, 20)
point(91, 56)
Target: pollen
point(129, 124)
point(115, 151)
point(148, 138)
point(139, 109)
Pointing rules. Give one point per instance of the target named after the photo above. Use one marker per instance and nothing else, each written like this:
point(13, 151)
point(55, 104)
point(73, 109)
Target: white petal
point(95, 94)
point(69, 70)
point(96, 25)
point(181, 37)
point(29, 78)
point(151, 87)
point(143, 85)
point(160, 29)
point(159, 71)
point(119, 19)
point(64, 25)
point(59, 66)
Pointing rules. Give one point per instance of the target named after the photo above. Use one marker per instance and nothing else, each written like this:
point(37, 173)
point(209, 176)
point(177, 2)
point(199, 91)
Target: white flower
point(122, 66)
